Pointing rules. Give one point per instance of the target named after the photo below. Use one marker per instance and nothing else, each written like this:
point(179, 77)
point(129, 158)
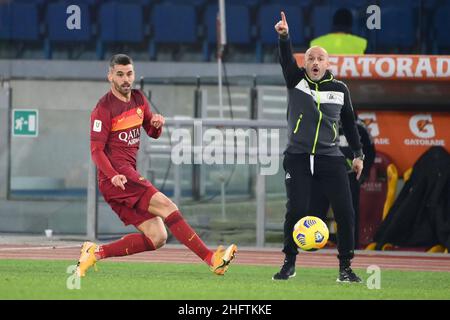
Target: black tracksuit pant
point(330, 173)
point(319, 203)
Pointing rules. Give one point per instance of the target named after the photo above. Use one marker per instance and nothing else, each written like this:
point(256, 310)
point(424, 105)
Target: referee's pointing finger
point(283, 18)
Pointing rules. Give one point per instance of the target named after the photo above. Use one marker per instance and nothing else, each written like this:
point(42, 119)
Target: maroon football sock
point(127, 245)
point(187, 236)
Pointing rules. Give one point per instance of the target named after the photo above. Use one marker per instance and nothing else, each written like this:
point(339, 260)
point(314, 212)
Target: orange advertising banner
point(392, 67)
point(405, 136)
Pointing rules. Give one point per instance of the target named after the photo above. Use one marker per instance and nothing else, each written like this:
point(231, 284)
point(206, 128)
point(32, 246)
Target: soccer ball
point(310, 233)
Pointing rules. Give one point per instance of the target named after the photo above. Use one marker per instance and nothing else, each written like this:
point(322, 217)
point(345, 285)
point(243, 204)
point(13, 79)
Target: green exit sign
point(25, 123)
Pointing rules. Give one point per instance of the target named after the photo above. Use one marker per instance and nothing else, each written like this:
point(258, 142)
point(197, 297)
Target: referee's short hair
point(120, 59)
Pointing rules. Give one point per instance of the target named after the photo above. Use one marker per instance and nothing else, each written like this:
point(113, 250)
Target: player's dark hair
point(120, 59)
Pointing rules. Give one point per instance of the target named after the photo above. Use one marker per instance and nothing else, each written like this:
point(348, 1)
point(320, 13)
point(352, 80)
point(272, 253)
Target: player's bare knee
point(168, 207)
point(159, 240)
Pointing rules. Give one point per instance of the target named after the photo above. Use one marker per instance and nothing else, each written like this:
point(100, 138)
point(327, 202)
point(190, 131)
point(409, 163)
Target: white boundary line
point(39, 248)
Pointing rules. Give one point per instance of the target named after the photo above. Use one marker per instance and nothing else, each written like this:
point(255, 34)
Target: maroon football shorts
point(131, 204)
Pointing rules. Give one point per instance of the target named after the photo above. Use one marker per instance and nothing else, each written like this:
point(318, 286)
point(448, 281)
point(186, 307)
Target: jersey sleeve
point(101, 161)
point(100, 125)
point(100, 129)
point(151, 130)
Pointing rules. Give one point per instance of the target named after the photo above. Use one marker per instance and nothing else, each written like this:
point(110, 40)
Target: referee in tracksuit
point(316, 103)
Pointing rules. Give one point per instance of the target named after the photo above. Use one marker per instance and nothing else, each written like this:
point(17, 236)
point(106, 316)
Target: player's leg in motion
point(153, 236)
point(163, 207)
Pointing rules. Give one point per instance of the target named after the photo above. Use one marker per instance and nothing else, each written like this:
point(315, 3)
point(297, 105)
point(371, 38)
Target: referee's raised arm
point(291, 71)
point(282, 26)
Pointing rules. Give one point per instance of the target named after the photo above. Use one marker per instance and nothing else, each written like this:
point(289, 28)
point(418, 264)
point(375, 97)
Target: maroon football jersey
point(117, 125)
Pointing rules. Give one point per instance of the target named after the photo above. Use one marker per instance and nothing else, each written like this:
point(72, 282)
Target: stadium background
point(61, 73)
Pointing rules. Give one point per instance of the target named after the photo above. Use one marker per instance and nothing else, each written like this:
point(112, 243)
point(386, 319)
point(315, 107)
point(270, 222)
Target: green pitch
point(38, 279)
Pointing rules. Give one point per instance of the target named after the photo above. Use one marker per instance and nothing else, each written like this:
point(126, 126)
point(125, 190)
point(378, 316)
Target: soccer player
point(116, 124)
point(316, 103)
